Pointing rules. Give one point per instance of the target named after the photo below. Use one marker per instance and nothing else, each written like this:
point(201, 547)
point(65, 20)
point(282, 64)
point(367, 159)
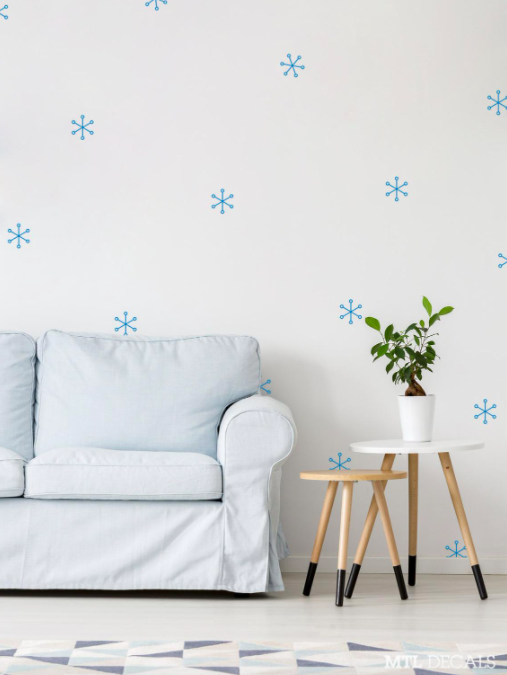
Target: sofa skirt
point(126, 545)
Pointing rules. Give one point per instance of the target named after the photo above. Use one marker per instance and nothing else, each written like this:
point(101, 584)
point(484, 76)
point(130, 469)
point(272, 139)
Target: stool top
point(400, 447)
point(352, 475)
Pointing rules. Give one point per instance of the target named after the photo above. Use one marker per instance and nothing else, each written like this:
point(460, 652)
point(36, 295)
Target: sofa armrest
point(256, 437)
point(257, 433)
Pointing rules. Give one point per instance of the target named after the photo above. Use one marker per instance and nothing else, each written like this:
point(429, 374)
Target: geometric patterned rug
point(157, 657)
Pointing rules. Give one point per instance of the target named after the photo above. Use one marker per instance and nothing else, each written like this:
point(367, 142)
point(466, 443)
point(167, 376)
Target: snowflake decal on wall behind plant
point(221, 201)
point(339, 464)
point(485, 411)
point(125, 324)
point(268, 391)
point(82, 127)
point(4, 16)
point(497, 102)
point(18, 236)
point(350, 312)
point(455, 552)
point(149, 2)
point(396, 189)
point(292, 65)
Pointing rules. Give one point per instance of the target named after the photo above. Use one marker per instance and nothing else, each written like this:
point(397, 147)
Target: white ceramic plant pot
point(416, 416)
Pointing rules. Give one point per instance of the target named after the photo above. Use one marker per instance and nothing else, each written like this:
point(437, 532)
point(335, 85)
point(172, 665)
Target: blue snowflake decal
point(500, 255)
point(268, 391)
point(18, 236)
point(485, 411)
point(497, 102)
point(125, 323)
point(292, 65)
point(455, 553)
point(164, 2)
point(396, 189)
point(82, 127)
point(4, 16)
point(339, 464)
point(350, 312)
point(222, 201)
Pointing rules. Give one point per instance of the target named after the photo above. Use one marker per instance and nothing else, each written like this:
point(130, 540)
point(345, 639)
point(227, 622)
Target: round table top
point(399, 447)
point(352, 475)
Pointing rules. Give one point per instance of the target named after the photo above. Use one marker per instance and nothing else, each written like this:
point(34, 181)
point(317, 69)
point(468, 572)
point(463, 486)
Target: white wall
point(192, 99)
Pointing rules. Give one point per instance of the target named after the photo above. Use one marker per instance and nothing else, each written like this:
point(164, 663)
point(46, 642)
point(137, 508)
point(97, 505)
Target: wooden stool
point(378, 480)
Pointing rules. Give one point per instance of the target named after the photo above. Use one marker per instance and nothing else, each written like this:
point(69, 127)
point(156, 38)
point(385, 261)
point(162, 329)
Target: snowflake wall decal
point(268, 391)
point(351, 312)
point(147, 4)
point(292, 65)
point(497, 102)
point(454, 551)
point(396, 189)
point(125, 324)
point(500, 255)
point(222, 201)
point(18, 236)
point(339, 464)
point(485, 411)
point(82, 127)
point(4, 16)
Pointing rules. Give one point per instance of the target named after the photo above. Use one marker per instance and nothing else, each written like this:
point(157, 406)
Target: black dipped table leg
point(351, 584)
point(401, 582)
point(309, 578)
point(412, 564)
point(340, 587)
point(481, 586)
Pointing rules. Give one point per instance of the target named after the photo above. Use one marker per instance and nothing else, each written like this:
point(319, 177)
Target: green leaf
point(417, 341)
point(411, 327)
point(375, 347)
point(421, 323)
point(410, 352)
point(394, 377)
point(427, 305)
point(388, 332)
point(372, 323)
point(400, 353)
point(435, 317)
point(389, 367)
point(446, 310)
point(383, 350)
point(420, 359)
point(430, 350)
point(419, 374)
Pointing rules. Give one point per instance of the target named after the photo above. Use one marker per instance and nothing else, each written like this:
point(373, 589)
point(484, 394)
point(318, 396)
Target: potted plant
point(410, 353)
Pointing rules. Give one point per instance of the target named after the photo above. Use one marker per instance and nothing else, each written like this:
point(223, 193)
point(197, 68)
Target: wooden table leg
point(452, 484)
point(321, 533)
point(348, 487)
point(387, 464)
point(413, 480)
point(391, 542)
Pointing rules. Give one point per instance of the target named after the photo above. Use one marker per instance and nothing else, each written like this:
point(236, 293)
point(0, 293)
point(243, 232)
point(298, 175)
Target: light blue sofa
point(139, 463)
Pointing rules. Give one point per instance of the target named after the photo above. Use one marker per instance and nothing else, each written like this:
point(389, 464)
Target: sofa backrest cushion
point(17, 380)
point(139, 393)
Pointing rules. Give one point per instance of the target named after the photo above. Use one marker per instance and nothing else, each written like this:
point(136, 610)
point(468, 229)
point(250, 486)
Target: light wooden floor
point(441, 608)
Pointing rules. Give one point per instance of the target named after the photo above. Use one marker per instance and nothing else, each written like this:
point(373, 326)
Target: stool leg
point(321, 533)
point(413, 480)
point(344, 541)
point(391, 542)
point(452, 484)
point(387, 464)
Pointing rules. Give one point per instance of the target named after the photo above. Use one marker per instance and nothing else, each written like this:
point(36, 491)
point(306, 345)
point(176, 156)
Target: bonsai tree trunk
point(414, 388)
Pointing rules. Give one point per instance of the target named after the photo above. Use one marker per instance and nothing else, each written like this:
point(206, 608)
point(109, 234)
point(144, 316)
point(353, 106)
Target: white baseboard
point(296, 563)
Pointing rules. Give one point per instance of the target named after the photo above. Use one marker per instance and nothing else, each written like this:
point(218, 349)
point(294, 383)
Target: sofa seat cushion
point(96, 473)
point(12, 474)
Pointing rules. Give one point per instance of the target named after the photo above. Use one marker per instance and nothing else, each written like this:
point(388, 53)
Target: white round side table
point(392, 448)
